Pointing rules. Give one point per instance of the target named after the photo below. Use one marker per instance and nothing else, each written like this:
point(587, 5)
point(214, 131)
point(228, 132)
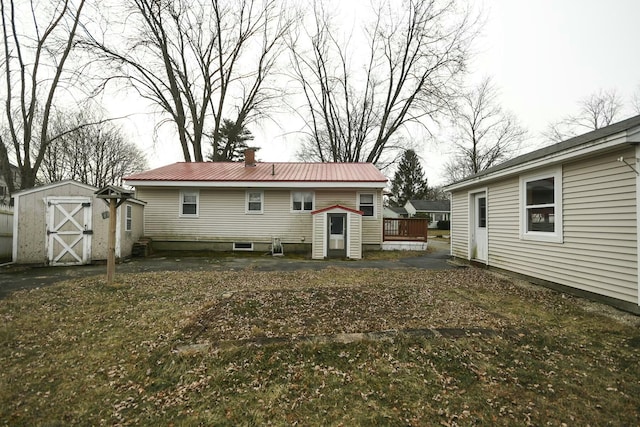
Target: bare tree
point(599, 109)
point(406, 72)
point(197, 61)
point(485, 134)
point(38, 38)
point(635, 101)
point(90, 150)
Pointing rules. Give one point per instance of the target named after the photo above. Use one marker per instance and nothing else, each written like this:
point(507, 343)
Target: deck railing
point(405, 229)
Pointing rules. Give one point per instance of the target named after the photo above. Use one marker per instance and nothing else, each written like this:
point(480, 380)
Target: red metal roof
point(262, 172)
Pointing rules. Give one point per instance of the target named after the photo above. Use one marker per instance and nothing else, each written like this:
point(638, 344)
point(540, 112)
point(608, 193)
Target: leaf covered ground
point(330, 347)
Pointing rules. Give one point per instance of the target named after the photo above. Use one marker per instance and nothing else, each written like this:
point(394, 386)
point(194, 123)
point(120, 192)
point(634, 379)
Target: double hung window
point(541, 201)
point(302, 201)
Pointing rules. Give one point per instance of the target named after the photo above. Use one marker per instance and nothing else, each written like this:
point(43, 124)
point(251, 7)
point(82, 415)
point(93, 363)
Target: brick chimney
point(249, 157)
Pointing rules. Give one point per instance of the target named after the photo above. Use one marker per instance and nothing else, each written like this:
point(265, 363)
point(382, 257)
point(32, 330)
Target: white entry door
point(69, 230)
point(479, 227)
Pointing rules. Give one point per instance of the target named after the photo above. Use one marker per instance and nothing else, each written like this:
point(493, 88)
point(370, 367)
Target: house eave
point(601, 145)
point(257, 184)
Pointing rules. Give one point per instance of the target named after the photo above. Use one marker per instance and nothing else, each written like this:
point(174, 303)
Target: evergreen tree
point(409, 182)
point(233, 138)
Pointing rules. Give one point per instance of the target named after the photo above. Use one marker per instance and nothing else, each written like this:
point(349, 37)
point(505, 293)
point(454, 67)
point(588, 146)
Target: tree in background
point(635, 101)
point(359, 98)
point(485, 134)
point(599, 109)
point(233, 141)
point(38, 39)
point(409, 182)
point(196, 60)
point(89, 150)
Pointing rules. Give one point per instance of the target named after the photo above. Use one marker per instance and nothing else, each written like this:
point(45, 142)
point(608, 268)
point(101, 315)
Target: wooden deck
point(405, 229)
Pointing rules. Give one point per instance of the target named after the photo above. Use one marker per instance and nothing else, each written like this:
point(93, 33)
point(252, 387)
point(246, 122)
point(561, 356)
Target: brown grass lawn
point(339, 346)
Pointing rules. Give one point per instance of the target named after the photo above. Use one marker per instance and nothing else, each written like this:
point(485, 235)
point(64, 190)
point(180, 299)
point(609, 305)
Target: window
point(242, 246)
point(366, 204)
point(541, 201)
point(254, 202)
point(302, 201)
point(128, 218)
point(189, 203)
point(482, 212)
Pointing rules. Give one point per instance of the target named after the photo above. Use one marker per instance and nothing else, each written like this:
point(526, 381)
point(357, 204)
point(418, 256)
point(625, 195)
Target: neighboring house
point(331, 209)
point(5, 196)
point(65, 224)
point(395, 212)
point(566, 215)
point(436, 210)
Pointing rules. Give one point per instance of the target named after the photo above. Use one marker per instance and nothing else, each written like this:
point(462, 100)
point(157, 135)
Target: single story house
point(329, 209)
point(436, 210)
point(64, 223)
point(565, 215)
point(395, 212)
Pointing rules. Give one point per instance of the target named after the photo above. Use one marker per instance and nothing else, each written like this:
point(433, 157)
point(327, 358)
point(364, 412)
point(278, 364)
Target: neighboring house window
point(541, 205)
point(302, 201)
point(189, 203)
point(128, 217)
point(255, 202)
point(366, 204)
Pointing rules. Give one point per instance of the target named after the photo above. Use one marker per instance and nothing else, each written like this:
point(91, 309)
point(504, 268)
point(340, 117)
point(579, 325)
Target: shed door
point(479, 227)
point(69, 230)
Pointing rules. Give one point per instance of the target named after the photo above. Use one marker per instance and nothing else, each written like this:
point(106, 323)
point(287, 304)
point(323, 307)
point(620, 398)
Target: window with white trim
point(366, 204)
point(189, 201)
point(128, 217)
point(255, 202)
point(541, 206)
point(302, 201)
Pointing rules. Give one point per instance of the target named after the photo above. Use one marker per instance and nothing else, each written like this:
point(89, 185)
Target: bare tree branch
point(486, 135)
point(407, 73)
point(195, 61)
point(35, 62)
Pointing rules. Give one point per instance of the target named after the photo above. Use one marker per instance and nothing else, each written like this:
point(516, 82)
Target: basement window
point(242, 246)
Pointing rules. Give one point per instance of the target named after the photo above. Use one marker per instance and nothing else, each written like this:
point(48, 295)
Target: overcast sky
point(544, 55)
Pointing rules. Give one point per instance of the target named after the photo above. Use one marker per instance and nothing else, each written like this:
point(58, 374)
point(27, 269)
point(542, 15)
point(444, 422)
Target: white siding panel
point(355, 232)
point(460, 225)
point(599, 251)
point(222, 216)
point(317, 247)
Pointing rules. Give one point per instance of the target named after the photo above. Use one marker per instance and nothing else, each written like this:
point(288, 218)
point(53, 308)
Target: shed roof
point(267, 172)
point(431, 205)
point(576, 142)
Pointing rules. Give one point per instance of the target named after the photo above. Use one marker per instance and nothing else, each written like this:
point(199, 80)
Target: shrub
point(444, 225)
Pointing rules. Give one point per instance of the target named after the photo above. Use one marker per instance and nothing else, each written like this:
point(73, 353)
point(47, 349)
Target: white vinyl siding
point(460, 224)
point(599, 250)
point(372, 227)
point(355, 243)
point(219, 219)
